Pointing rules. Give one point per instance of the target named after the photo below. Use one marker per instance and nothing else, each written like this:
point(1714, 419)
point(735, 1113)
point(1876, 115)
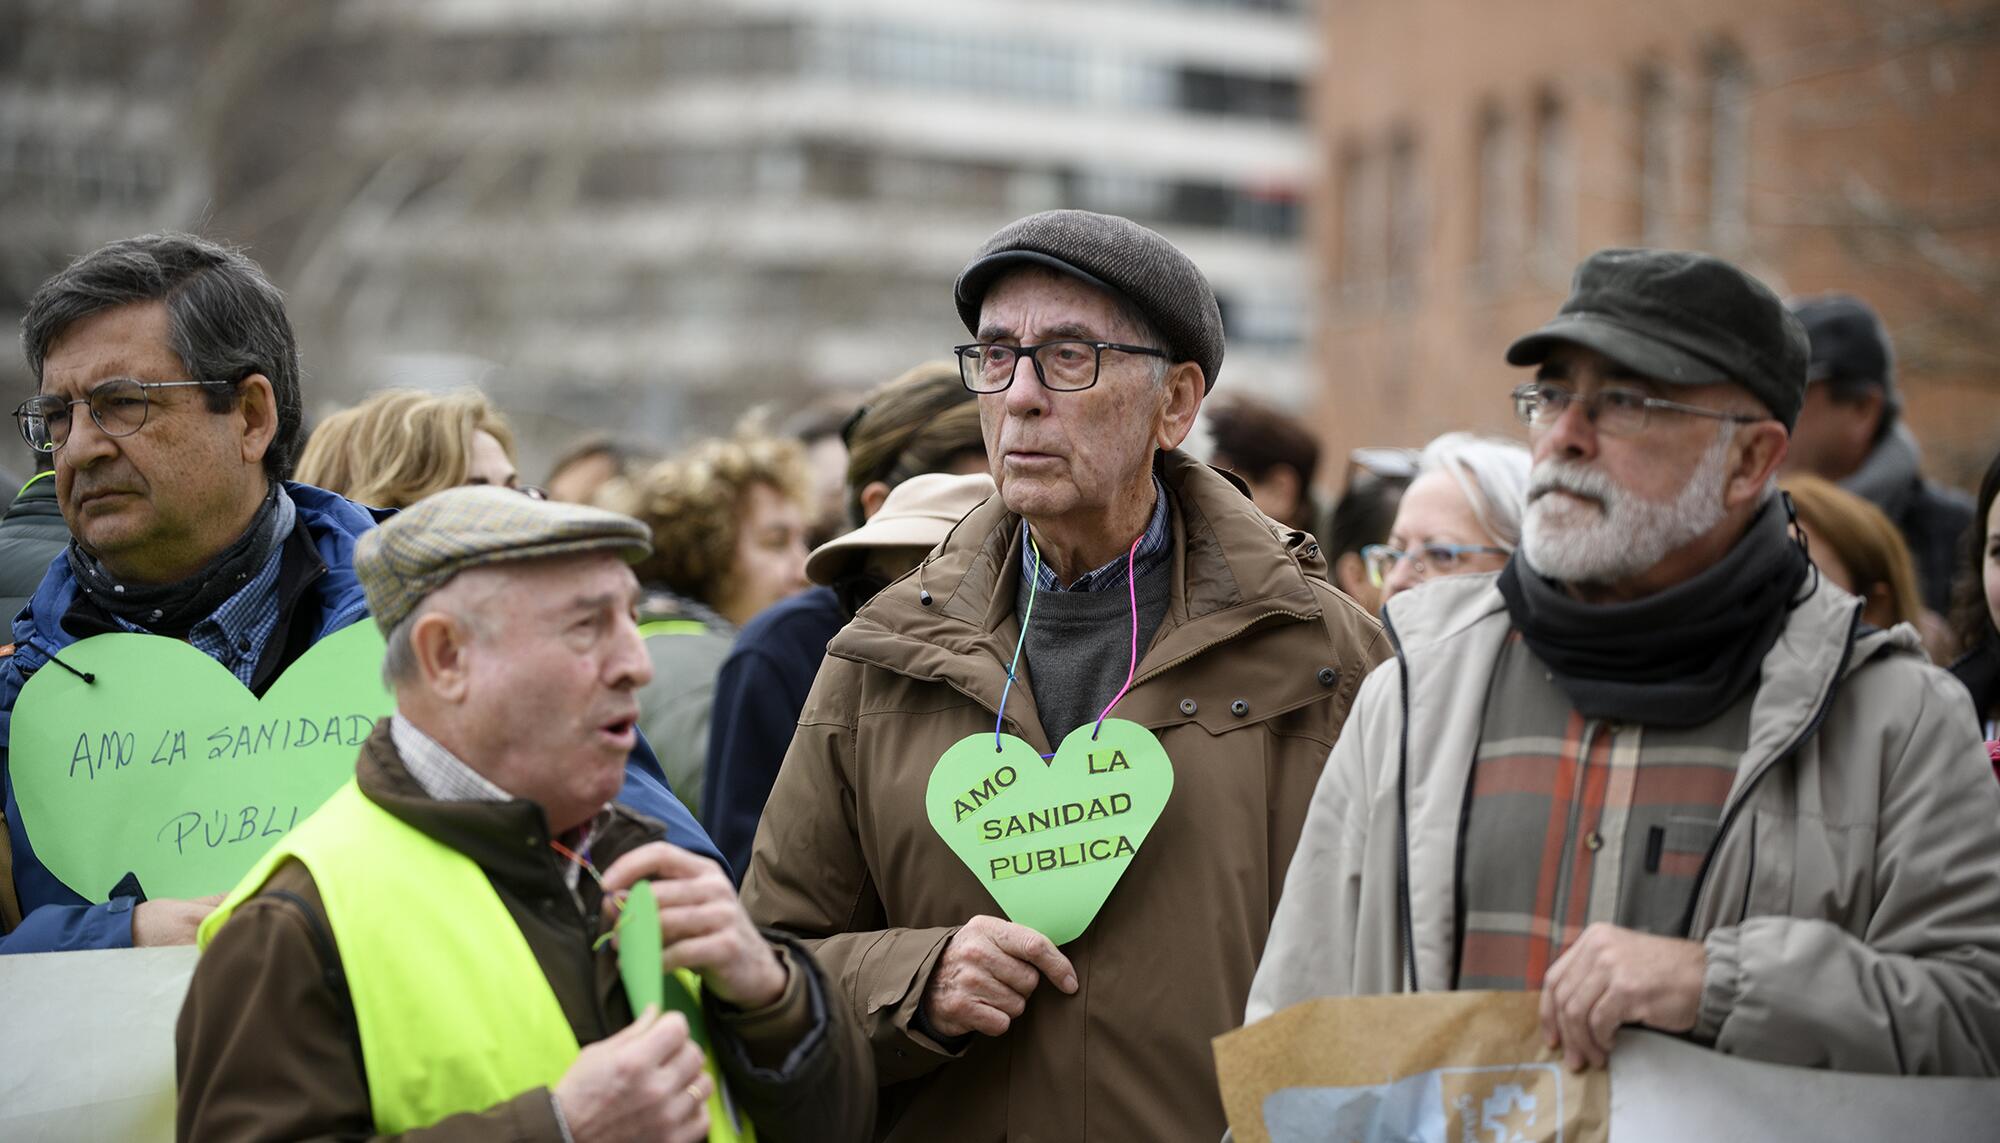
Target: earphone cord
point(1131, 672)
point(1018, 643)
point(1132, 585)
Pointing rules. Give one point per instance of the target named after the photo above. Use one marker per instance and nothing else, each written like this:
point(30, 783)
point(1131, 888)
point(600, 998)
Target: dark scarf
point(172, 609)
point(1979, 670)
point(1676, 658)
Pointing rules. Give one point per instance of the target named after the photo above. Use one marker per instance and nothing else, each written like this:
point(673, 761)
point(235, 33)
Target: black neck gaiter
point(1679, 657)
point(172, 609)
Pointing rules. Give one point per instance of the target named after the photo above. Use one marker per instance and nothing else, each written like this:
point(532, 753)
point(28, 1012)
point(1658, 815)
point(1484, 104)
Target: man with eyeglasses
point(168, 380)
point(1657, 768)
point(1150, 588)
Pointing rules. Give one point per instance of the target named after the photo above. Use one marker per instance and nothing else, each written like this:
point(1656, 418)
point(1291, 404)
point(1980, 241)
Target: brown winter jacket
point(267, 1048)
point(1246, 684)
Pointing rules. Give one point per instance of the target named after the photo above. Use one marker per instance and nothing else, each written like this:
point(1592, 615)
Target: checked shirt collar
point(1151, 554)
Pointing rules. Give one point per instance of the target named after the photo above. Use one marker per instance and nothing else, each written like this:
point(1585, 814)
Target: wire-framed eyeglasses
point(119, 406)
point(1614, 411)
point(1063, 366)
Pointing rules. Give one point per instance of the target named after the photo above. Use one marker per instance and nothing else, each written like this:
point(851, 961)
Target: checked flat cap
point(419, 549)
point(1114, 254)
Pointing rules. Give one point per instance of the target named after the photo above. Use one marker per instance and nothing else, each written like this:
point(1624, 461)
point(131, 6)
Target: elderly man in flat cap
point(422, 957)
point(1657, 768)
point(1152, 593)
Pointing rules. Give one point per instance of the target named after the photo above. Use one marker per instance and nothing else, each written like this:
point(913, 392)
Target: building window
point(1215, 92)
point(1553, 179)
point(1497, 210)
point(1728, 148)
point(1406, 216)
point(1655, 154)
point(1363, 202)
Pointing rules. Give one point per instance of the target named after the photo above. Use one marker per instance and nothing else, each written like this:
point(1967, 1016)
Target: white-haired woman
point(1461, 514)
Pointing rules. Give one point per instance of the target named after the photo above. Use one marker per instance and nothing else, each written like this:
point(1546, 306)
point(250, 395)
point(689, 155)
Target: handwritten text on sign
point(1051, 840)
point(166, 766)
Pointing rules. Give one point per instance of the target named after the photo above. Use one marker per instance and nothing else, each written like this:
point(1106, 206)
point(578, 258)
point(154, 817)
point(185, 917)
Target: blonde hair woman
point(401, 445)
point(1856, 547)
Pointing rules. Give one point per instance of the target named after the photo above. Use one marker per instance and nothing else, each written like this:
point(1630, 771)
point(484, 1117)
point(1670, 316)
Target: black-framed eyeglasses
point(1381, 559)
point(1616, 412)
point(119, 406)
point(1063, 366)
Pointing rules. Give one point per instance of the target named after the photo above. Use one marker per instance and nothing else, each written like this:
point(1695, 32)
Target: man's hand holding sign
point(170, 922)
point(702, 925)
point(1612, 977)
point(987, 973)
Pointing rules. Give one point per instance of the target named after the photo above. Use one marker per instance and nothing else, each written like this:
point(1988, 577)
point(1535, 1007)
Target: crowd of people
point(1680, 710)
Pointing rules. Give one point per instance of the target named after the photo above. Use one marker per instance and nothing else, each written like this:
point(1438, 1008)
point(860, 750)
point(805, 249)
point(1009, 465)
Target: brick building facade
point(1474, 152)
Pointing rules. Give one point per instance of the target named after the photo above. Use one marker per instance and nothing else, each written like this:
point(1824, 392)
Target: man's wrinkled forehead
point(131, 340)
point(571, 581)
point(1040, 303)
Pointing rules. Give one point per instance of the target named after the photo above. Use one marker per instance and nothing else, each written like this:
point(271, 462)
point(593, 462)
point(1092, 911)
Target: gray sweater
point(1080, 646)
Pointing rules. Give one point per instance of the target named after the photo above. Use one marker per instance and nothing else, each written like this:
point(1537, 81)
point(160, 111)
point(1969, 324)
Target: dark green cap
point(1680, 318)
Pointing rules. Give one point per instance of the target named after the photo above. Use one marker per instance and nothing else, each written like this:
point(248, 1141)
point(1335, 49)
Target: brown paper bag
point(1442, 1067)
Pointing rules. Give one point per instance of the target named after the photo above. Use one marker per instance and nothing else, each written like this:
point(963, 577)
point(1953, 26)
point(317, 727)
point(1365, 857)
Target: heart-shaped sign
point(1051, 840)
point(167, 767)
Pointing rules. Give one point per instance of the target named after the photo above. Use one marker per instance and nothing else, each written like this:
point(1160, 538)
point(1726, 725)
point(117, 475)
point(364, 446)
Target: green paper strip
point(641, 967)
point(639, 949)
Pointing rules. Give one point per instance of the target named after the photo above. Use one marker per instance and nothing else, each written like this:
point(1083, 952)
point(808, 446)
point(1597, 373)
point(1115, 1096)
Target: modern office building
point(646, 215)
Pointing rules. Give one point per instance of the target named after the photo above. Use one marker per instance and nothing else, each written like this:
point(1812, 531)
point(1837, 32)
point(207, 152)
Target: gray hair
point(225, 320)
point(1143, 332)
point(399, 657)
point(1493, 475)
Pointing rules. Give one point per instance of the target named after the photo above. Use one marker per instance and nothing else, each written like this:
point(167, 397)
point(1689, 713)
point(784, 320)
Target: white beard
point(1621, 535)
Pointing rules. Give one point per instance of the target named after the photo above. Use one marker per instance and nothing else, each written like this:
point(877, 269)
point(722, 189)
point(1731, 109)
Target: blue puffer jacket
point(54, 917)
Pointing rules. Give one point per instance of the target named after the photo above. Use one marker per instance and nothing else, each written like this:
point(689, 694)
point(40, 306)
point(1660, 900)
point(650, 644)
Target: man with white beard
point(1657, 768)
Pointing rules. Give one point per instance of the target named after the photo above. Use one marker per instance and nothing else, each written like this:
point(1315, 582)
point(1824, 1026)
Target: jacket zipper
point(1403, 903)
point(1729, 815)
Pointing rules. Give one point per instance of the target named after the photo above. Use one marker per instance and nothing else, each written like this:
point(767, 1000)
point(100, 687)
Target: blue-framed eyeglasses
point(1382, 559)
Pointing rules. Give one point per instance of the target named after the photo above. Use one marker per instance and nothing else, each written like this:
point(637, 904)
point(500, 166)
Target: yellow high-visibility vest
point(453, 1010)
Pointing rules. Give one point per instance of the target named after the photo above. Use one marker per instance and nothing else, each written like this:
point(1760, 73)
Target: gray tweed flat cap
point(420, 549)
point(1114, 254)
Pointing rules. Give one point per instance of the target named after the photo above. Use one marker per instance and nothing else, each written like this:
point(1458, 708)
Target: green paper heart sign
point(167, 767)
point(1051, 840)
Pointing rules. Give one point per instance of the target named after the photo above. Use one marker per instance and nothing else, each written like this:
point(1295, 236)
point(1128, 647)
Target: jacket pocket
point(1810, 868)
point(1678, 846)
point(1669, 862)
